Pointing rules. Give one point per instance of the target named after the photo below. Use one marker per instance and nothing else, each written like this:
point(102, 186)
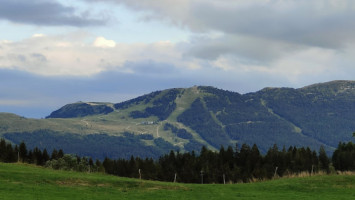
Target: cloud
point(13, 102)
point(256, 31)
point(228, 63)
point(39, 57)
point(318, 22)
point(74, 55)
point(45, 13)
point(104, 43)
point(38, 35)
point(248, 49)
point(151, 68)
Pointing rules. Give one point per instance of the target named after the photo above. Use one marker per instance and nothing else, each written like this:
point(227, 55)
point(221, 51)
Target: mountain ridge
point(185, 119)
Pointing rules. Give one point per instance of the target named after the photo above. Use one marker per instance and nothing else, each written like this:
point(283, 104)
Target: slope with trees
point(316, 115)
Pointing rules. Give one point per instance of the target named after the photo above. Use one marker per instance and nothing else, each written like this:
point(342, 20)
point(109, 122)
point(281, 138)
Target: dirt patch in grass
point(103, 185)
point(74, 182)
point(167, 188)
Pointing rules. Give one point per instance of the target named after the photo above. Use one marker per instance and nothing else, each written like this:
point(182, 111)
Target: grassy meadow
point(21, 181)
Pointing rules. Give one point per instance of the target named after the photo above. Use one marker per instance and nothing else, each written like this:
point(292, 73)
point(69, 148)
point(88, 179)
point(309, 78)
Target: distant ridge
point(81, 109)
point(185, 119)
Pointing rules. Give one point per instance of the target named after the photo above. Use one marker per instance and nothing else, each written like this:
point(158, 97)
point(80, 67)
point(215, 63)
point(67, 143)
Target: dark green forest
point(179, 132)
point(145, 99)
point(80, 110)
point(232, 165)
point(162, 107)
point(97, 146)
point(200, 120)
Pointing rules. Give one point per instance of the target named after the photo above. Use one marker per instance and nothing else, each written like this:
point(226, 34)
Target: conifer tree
point(2, 150)
point(10, 154)
point(60, 153)
point(54, 155)
point(45, 156)
point(23, 151)
point(323, 160)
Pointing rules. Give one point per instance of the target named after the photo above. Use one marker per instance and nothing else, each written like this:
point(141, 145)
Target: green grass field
point(20, 181)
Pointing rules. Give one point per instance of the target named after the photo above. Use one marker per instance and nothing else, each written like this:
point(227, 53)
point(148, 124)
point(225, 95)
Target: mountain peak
point(335, 83)
point(81, 109)
point(332, 88)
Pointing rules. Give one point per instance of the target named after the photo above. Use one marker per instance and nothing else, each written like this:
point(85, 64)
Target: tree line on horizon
point(238, 164)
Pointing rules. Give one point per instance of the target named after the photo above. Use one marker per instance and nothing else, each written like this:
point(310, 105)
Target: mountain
point(81, 109)
point(185, 119)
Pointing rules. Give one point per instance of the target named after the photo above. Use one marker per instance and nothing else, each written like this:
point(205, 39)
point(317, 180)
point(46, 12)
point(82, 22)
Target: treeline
point(56, 160)
point(97, 146)
point(227, 165)
point(19, 153)
point(239, 164)
point(344, 157)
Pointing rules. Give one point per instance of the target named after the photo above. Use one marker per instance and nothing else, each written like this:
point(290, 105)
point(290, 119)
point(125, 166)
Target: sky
point(55, 52)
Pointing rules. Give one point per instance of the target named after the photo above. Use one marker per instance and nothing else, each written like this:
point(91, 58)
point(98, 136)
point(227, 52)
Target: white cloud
point(309, 62)
point(305, 66)
point(104, 43)
point(72, 55)
point(38, 35)
point(75, 55)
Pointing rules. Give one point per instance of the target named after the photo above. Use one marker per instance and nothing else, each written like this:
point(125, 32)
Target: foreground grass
point(19, 181)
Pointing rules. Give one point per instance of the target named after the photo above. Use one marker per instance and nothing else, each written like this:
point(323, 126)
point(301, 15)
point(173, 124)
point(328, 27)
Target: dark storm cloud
point(274, 27)
point(302, 23)
point(47, 13)
point(316, 22)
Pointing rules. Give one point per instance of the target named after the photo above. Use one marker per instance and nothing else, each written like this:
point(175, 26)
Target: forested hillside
point(187, 119)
